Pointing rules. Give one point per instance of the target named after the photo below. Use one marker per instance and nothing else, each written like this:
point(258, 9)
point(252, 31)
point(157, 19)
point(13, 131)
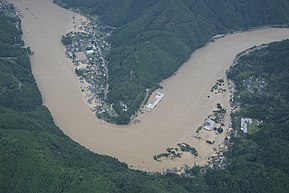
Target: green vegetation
point(220, 82)
point(153, 38)
point(66, 40)
point(259, 161)
point(218, 87)
point(215, 87)
point(220, 110)
point(160, 156)
point(172, 153)
point(199, 129)
point(35, 156)
point(220, 130)
point(254, 127)
point(218, 115)
point(187, 148)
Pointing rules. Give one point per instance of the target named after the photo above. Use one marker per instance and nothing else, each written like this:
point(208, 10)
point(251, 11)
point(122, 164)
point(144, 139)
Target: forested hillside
point(259, 159)
point(154, 37)
point(35, 156)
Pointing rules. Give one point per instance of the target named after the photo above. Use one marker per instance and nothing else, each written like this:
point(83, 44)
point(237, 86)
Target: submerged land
point(151, 40)
point(36, 156)
point(187, 103)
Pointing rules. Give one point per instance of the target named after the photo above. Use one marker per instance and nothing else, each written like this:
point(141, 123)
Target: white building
point(244, 124)
point(209, 124)
point(158, 98)
point(89, 52)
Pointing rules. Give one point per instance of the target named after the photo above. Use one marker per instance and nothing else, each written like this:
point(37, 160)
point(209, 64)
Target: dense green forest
point(35, 156)
point(154, 37)
point(259, 160)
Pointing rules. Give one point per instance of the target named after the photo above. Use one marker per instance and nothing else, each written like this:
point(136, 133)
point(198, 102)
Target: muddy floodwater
point(175, 119)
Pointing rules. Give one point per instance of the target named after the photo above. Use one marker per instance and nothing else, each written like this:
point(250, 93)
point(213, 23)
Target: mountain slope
point(259, 159)
point(153, 38)
point(35, 156)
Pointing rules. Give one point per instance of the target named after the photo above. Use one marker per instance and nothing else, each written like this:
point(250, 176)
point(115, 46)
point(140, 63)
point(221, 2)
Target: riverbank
point(176, 118)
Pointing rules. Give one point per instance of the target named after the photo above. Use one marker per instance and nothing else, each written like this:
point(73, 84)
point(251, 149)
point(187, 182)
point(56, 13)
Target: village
point(87, 47)
point(213, 133)
point(4, 5)
point(9, 10)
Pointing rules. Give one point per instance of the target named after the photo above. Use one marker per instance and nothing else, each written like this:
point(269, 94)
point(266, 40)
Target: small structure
point(244, 124)
point(158, 98)
point(89, 52)
point(209, 124)
point(123, 105)
point(218, 36)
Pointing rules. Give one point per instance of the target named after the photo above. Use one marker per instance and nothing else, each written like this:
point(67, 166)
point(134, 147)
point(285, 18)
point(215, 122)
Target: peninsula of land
point(187, 103)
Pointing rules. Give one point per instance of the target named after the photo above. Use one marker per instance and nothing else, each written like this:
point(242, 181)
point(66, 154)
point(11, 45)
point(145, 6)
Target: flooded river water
point(177, 116)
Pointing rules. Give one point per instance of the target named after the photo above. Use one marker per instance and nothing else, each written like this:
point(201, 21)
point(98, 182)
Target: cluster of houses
point(256, 85)
point(235, 106)
point(87, 48)
point(183, 170)
point(244, 124)
point(232, 88)
point(218, 162)
point(9, 10)
point(6, 7)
